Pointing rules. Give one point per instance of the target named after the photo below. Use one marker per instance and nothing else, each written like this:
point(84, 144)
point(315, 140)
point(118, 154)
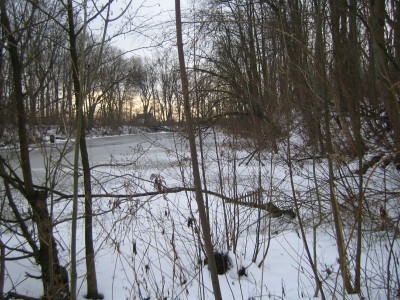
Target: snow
point(146, 248)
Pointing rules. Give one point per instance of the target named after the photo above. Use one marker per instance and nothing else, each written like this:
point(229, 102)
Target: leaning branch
point(252, 200)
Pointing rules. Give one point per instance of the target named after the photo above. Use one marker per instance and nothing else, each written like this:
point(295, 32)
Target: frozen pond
point(147, 240)
point(145, 148)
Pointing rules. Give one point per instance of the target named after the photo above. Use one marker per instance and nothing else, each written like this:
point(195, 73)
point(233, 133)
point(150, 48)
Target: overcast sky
point(153, 25)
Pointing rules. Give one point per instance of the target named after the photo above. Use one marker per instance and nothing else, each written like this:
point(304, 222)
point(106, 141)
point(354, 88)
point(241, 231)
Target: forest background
point(261, 72)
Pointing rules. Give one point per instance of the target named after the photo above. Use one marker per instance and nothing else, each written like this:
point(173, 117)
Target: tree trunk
point(91, 279)
point(339, 38)
point(354, 100)
point(54, 276)
point(205, 225)
point(396, 25)
point(2, 268)
point(385, 84)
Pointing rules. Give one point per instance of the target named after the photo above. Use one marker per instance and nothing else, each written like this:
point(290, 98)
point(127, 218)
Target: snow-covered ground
point(149, 247)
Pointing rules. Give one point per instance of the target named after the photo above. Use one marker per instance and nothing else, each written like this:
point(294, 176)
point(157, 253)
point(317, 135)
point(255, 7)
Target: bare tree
point(2, 268)
point(54, 276)
point(205, 223)
point(148, 82)
point(382, 65)
point(92, 289)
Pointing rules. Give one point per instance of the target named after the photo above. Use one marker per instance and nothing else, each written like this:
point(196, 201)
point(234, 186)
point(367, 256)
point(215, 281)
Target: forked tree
point(54, 275)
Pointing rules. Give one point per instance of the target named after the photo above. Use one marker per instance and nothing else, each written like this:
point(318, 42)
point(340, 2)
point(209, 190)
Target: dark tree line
point(266, 58)
point(256, 58)
point(111, 81)
point(328, 69)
